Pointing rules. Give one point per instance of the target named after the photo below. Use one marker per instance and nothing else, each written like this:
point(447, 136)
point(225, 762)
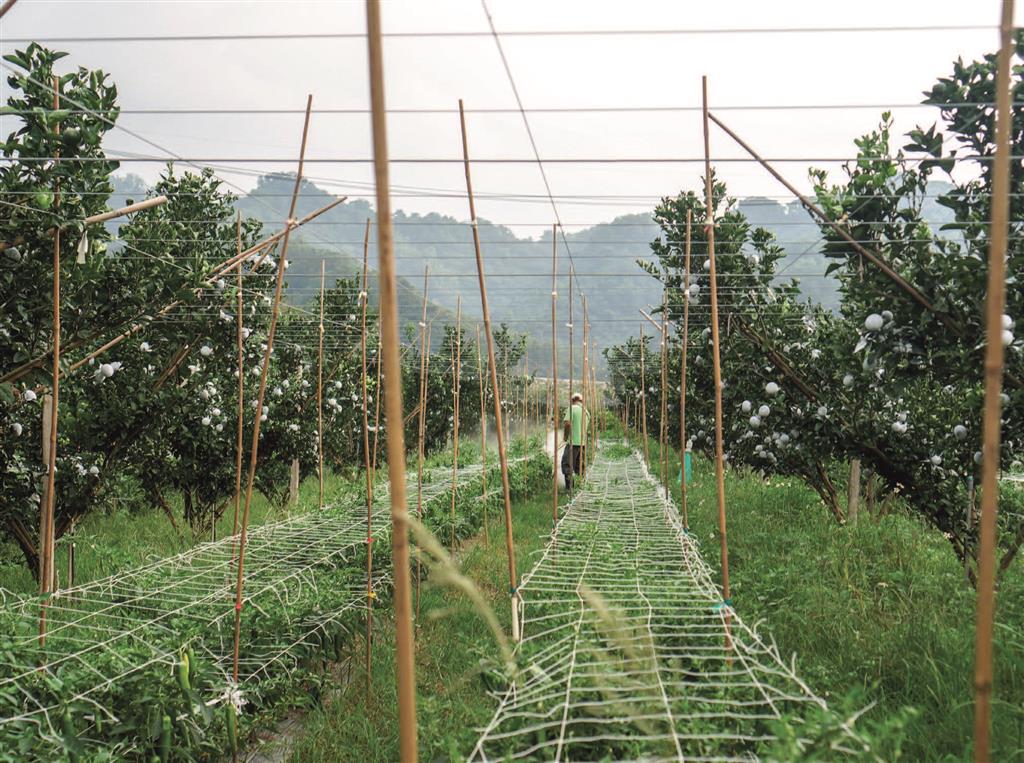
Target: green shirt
point(579, 427)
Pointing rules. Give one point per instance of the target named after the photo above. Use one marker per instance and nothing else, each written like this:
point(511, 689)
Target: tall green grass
point(881, 609)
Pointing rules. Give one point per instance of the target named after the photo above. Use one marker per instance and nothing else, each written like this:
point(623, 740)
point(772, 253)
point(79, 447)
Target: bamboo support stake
point(513, 581)
point(138, 206)
point(6, 7)
point(994, 306)
point(682, 372)
point(393, 378)
point(320, 388)
point(424, 359)
point(554, 371)
point(643, 394)
point(853, 492)
point(239, 343)
point(366, 460)
point(569, 325)
point(584, 380)
point(260, 395)
point(378, 393)
point(663, 429)
point(483, 433)
point(456, 381)
point(46, 535)
point(716, 358)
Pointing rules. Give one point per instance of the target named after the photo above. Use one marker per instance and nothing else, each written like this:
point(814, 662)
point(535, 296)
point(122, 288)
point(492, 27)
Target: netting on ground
point(625, 654)
point(305, 586)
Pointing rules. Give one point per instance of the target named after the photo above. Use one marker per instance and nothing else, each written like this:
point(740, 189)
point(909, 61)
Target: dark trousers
point(572, 463)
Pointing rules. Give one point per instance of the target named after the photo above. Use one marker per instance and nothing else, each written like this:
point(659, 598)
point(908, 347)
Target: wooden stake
point(643, 394)
point(556, 419)
point(584, 380)
point(991, 434)
point(46, 534)
point(663, 428)
point(393, 379)
point(424, 365)
point(379, 392)
point(716, 358)
point(366, 461)
point(483, 433)
point(456, 380)
point(568, 442)
point(254, 451)
point(513, 580)
point(239, 342)
point(682, 373)
point(853, 492)
point(320, 389)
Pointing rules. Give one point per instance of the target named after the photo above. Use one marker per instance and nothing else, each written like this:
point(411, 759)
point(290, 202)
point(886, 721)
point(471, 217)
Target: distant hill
point(518, 269)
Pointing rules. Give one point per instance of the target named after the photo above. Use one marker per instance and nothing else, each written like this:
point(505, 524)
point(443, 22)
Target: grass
point(452, 642)
point(880, 610)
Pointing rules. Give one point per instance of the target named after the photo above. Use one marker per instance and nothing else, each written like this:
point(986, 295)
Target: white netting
point(303, 579)
point(625, 654)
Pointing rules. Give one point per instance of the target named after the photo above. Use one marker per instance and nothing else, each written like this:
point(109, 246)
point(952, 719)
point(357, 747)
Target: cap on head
point(577, 397)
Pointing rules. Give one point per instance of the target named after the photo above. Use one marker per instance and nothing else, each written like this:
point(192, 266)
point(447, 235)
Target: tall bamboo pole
point(254, 450)
point(682, 374)
point(320, 389)
point(643, 393)
point(393, 379)
point(46, 534)
point(424, 359)
point(513, 580)
point(716, 357)
point(663, 433)
point(994, 306)
point(554, 370)
point(483, 433)
point(456, 380)
point(584, 381)
point(569, 325)
point(366, 458)
point(378, 394)
point(240, 413)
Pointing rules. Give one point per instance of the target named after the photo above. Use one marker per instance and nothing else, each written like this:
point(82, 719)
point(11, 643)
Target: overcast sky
point(744, 69)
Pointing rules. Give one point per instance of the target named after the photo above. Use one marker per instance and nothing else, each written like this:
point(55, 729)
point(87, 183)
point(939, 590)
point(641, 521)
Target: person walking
point(575, 424)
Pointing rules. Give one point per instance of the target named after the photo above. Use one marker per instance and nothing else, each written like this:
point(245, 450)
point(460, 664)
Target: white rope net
point(302, 581)
point(626, 653)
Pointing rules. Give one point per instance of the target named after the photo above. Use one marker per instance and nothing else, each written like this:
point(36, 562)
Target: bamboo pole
point(554, 370)
point(716, 358)
point(254, 450)
point(393, 378)
point(483, 433)
point(320, 389)
point(366, 462)
point(994, 306)
point(643, 393)
point(584, 374)
point(663, 433)
point(378, 393)
point(424, 360)
point(569, 325)
point(853, 492)
point(682, 373)
point(46, 535)
point(138, 206)
point(239, 343)
point(6, 7)
point(456, 380)
point(513, 580)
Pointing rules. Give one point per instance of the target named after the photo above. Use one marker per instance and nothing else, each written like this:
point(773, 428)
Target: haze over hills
point(518, 269)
